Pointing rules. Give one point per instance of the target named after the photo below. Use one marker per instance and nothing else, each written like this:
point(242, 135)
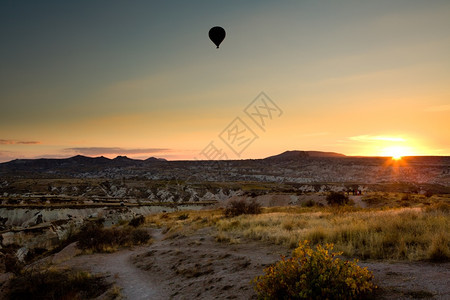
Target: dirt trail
point(197, 266)
point(135, 283)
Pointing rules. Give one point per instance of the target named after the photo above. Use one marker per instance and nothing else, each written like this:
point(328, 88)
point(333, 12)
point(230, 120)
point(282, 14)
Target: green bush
point(240, 207)
point(314, 274)
point(335, 198)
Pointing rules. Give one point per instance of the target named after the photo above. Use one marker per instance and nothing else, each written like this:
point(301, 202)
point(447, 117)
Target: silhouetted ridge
point(324, 154)
point(288, 155)
point(123, 159)
point(299, 155)
point(155, 159)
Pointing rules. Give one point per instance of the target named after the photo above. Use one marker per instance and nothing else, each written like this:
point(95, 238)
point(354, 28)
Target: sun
point(396, 157)
point(396, 152)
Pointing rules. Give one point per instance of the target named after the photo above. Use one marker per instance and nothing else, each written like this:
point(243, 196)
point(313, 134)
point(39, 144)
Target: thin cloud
point(15, 142)
point(438, 108)
point(376, 138)
point(28, 142)
point(114, 150)
point(7, 142)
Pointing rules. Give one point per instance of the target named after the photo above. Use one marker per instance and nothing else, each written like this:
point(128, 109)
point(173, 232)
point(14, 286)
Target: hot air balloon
point(217, 34)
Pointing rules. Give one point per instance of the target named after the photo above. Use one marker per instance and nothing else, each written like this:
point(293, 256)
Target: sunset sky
point(142, 78)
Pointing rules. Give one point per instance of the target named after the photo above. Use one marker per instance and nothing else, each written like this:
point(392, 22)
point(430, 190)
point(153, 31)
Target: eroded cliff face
point(92, 191)
point(30, 229)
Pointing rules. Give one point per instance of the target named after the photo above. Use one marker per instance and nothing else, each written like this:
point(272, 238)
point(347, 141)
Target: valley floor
point(196, 265)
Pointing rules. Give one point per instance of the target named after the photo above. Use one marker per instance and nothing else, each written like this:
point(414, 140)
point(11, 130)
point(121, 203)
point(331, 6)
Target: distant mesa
point(154, 159)
point(288, 155)
point(324, 154)
point(299, 155)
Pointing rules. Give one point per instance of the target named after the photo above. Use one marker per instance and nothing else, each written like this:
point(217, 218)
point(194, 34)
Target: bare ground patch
point(198, 266)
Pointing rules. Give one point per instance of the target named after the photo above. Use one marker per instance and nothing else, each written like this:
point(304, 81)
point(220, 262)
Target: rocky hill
point(305, 167)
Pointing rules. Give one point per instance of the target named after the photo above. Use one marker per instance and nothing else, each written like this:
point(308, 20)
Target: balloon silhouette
point(217, 34)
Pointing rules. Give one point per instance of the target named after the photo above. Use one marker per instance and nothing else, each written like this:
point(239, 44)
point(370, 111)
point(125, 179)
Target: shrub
point(56, 284)
point(140, 236)
point(314, 274)
point(309, 203)
point(93, 236)
point(253, 208)
point(136, 222)
point(235, 208)
point(240, 207)
point(335, 198)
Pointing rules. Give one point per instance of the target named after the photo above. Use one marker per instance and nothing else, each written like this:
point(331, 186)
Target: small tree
point(335, 198)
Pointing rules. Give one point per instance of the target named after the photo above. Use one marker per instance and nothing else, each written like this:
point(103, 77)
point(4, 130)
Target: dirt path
point(135, 283)
point(198, 266)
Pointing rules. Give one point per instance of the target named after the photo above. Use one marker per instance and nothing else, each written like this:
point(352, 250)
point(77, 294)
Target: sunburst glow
point(396, 152)
point(396, 157)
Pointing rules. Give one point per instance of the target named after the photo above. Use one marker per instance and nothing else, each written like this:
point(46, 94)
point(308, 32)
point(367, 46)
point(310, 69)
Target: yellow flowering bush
point(314, 274)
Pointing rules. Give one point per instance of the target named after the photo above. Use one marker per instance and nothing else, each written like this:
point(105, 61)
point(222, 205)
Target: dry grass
point(401, 233)
point(378, 199)
point(419, 232)
point(176, 224)
point(224, 237)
